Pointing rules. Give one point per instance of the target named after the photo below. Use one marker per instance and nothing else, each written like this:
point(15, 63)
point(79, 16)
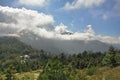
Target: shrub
point(91, 71)
point(55, 70)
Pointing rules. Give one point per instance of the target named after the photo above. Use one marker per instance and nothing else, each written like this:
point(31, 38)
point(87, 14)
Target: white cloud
point(61, 28)
point(90, 30)
point(76, 4)
point(14, 21)
point(109, 39)
point(40, 3)
point(20, 19)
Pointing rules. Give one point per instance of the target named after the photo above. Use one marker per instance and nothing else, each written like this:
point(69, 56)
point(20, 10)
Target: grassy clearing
point(25, 76)
point(28, 75)
point(33, 75)
point(104, 73)
point(2, 77)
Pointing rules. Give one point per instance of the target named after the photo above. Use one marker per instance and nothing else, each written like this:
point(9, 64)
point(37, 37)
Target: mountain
point(14, 45)
point(11, 48)
point(64, 46)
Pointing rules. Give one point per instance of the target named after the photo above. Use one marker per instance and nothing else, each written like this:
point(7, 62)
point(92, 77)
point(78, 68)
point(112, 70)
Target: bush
point(55, 70)
point(91, 71)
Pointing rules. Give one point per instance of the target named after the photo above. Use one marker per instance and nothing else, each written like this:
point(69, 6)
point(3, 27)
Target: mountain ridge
point(65, 46)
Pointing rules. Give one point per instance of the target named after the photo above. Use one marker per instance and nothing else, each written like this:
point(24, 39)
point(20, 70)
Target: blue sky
point(104, 16)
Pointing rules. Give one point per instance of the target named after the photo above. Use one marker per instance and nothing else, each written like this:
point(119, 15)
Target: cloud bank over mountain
point(17, 22)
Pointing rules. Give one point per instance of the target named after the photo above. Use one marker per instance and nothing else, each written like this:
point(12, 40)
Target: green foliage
point(87, 59)
point(11, 50)
point(55, 70)
point(10, 73)
point(117, 58)
point(91, 71)
point(109, 58)
point(80, 66)
point(81, 75)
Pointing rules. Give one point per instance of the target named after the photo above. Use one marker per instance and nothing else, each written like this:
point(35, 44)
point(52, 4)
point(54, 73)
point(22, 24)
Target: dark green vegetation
point(16, 58)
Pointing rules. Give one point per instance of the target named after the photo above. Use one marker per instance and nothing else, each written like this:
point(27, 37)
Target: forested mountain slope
point(13, 45)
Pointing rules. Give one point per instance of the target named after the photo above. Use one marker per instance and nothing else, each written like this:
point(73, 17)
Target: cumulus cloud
point(61, 28)
point(76, 4)
point(15, 20)
point(40, 3)
point(18, 22)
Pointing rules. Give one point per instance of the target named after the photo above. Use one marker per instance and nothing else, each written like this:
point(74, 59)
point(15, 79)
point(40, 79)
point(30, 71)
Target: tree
point(55, 70)
point(109, 58)
point(62, 58)
point(10, 73)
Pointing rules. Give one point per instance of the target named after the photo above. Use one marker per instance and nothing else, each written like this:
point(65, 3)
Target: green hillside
point(19, 61)
point(11, 51)
point(13, 45)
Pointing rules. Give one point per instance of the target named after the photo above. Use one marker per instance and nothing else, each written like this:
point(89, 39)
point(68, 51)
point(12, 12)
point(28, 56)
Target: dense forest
point(17, 57)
